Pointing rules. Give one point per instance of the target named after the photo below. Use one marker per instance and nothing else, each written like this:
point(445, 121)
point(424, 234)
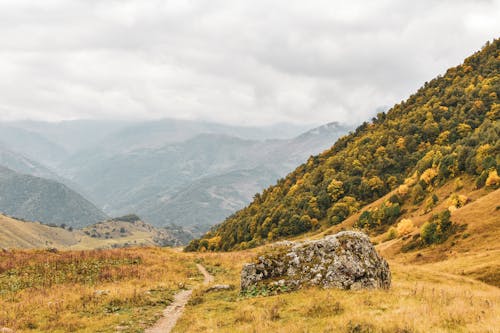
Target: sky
point(252, 62)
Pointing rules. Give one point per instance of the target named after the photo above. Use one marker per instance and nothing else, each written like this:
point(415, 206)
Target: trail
point(174, 311)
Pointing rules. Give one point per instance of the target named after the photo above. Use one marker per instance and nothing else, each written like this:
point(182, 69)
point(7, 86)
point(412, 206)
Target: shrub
point(430, 203)
point(438, 229)
point(392, 234)
point(386, 214)
point(405, 226)
point(493, 179)
point(458, 200)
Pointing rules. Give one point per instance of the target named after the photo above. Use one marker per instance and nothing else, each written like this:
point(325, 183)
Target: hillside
point(43, 200)
point(447, 129)
point(126, 231)
point(28, 235)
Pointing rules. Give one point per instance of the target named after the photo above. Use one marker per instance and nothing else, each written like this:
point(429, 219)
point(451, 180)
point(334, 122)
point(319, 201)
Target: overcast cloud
point(244, 62)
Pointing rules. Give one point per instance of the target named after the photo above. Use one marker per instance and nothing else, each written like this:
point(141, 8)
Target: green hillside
point(448, 128)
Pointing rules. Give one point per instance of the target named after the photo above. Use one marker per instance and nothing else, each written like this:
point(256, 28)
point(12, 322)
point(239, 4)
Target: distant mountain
point(72, 136)
point(209, 200)
point(22, 164)
point(181, 172)
point(216, 173)
point(44, 200)
point(32, 145)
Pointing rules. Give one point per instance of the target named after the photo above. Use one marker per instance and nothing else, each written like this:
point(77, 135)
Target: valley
point(182, 175)
point(188, 225)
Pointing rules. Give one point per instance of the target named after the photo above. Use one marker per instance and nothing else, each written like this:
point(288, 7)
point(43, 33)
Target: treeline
point(448, 128)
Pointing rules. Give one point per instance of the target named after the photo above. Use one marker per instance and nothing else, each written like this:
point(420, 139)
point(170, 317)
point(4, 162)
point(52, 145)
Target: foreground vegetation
point(420, 300)
point(90, 291)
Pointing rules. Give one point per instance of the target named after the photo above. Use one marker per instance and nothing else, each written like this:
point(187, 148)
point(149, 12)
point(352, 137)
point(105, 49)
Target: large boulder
point(346, 260)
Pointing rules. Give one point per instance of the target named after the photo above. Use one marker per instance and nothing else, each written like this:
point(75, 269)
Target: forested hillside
point(448, 128)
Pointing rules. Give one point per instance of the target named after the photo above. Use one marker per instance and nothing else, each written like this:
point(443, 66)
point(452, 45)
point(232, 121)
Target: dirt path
point(208, 278)
point(174, 311)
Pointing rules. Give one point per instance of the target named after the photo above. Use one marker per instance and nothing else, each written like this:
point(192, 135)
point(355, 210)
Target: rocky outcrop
point(346, 260)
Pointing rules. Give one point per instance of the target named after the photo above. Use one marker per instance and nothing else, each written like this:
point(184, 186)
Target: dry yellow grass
point(19, 234)
point(91, 291)
point(421, 299)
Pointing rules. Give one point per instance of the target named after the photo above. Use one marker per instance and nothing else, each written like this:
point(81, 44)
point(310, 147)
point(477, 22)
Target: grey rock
point(219, 287)
point(346, 260)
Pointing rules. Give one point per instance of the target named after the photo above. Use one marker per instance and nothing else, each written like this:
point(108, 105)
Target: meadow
point(90, 291)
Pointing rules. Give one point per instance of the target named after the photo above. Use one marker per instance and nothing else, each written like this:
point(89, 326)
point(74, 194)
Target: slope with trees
point(447, 128)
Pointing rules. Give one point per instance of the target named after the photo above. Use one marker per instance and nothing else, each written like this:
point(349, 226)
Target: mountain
point(166, 184)
point(72, 135)
point(125, 231)
point(22, 164)
point(31, 145)
point(208, 200)
point(44, 200)
point(447, 131)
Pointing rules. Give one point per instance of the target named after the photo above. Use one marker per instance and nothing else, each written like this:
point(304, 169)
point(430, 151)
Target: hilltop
point(448, 129)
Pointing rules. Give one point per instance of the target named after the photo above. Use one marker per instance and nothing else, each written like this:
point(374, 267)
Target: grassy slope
point(18, 234)
point(436, 289)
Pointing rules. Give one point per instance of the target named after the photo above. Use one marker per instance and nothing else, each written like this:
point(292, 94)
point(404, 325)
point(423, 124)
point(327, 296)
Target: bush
point(438, 229)
point(386, 214)
point(493, 179)
point(405, 226)
point(392, 234)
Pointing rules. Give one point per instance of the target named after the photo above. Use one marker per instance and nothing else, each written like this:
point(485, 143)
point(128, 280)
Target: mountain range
point(177, 173)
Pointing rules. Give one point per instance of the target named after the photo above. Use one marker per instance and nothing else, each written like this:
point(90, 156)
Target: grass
point(90, 291)
point(420, 300)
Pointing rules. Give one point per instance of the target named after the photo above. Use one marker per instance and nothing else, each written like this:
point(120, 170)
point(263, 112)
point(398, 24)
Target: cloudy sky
point(243, 62)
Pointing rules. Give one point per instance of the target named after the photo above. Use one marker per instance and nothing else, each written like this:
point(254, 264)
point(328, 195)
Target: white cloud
point(246, 62)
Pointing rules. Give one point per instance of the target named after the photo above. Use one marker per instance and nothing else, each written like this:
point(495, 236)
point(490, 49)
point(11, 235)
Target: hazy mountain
point(169, 171)
point(209, 200)
point(32, 145)
point(73, 135)
point(196, 181)
point(47, 201)
point(22, 164)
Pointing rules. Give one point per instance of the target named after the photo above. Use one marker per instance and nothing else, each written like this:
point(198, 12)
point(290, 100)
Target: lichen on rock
point(346, 260)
